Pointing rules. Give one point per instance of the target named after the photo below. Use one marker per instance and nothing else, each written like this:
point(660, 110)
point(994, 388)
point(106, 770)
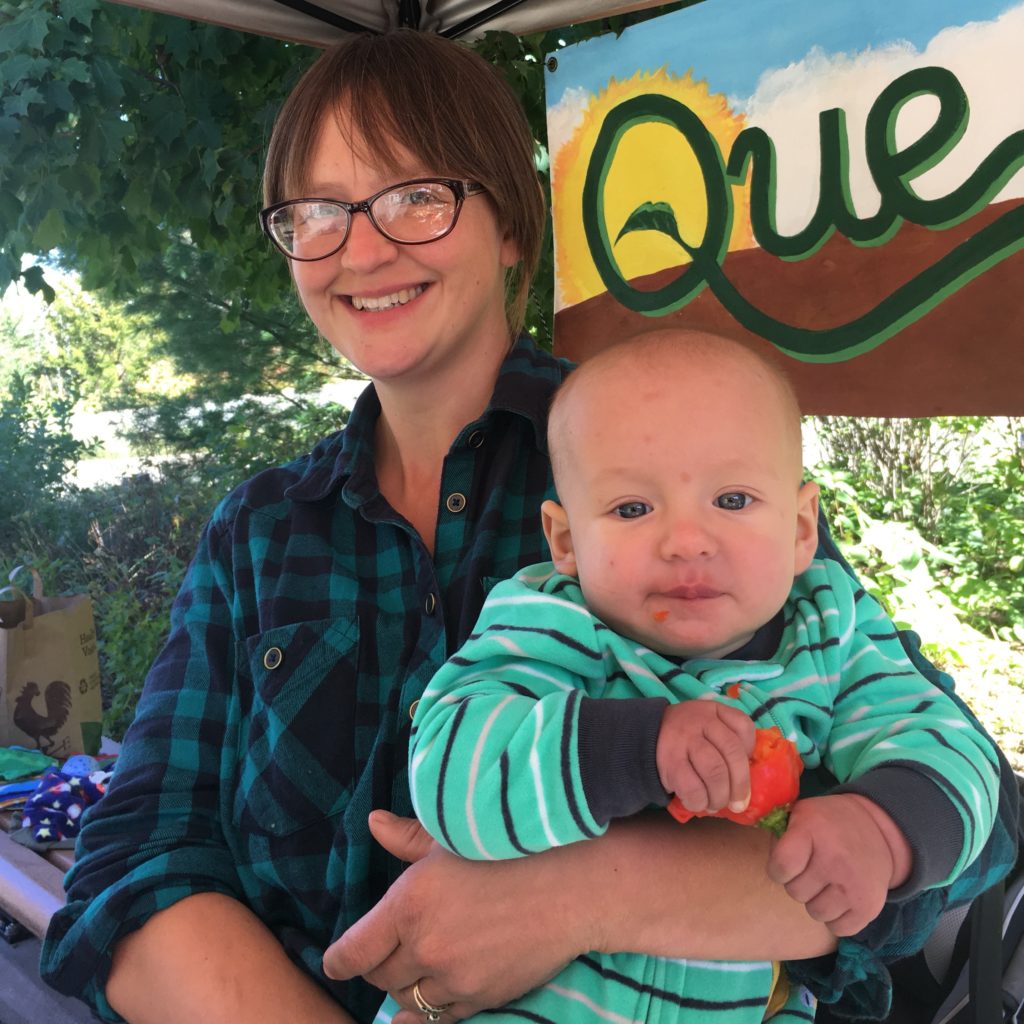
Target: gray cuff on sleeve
point(618, 741)
point(922, 812)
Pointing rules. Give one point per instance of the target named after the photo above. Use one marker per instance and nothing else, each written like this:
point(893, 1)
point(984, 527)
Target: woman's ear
point(509, 253)
point(806, 526)
point(556, 529)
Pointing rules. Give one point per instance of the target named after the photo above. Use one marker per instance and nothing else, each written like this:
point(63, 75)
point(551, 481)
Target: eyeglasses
point(411, 213)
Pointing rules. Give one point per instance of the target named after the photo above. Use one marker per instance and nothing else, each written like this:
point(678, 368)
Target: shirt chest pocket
point(297, 761)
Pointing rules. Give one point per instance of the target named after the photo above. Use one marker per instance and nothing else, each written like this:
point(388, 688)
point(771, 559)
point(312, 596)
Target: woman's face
point(438, 307)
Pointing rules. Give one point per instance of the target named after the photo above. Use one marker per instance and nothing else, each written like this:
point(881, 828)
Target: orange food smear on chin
point(661, 616)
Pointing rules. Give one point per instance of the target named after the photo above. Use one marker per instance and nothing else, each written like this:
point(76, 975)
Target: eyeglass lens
point(416, 212)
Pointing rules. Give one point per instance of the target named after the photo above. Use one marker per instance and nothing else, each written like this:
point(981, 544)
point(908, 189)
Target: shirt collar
point(764, 643)
point(526, 381)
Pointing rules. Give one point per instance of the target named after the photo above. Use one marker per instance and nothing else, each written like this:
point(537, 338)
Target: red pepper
point(775, 768)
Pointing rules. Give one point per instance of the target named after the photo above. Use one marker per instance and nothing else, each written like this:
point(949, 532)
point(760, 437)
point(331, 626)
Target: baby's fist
point(703, 754)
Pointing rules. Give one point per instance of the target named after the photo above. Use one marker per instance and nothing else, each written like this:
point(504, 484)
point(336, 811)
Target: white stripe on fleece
point(474, 771)
point(600, 1011)
point(538, 782)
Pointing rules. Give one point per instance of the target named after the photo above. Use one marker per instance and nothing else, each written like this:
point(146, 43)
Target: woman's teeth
point(376, 304)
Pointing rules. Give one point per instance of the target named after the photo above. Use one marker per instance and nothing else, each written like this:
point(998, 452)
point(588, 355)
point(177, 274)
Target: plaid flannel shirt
point(277, 715)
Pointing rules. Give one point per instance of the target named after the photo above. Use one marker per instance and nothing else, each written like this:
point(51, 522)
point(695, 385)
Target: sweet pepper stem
point(775, 821)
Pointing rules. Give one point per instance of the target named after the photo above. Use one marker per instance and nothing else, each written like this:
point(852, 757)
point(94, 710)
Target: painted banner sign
point(843, 181)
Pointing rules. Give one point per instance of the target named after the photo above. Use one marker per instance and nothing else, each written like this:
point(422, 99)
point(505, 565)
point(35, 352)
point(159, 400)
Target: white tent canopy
point(322, 22)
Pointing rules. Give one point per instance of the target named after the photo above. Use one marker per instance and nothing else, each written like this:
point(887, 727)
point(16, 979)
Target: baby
point(684, 608)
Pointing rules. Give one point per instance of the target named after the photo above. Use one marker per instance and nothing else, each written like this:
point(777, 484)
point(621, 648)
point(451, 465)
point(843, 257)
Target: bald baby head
point(688, 362)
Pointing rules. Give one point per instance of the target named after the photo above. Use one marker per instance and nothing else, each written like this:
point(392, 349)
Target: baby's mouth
point(380, 303)
point(693, 592)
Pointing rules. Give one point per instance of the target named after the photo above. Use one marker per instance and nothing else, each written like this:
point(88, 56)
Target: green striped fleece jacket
point(508, 756)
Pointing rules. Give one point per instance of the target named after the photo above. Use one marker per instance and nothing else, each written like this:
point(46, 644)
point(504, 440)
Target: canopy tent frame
point(320, 23)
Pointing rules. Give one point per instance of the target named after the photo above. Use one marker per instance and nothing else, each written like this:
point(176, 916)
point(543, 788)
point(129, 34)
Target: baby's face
point(687, 521)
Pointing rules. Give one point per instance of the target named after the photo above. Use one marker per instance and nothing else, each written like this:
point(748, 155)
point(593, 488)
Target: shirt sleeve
point(156, 837)
point(509, 755)
point(887, 715)
point(494, 759)
point(856, 978)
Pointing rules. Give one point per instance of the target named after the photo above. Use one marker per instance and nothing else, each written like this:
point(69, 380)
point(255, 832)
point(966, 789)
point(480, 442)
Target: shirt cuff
point(923, 813)
point(617, 742)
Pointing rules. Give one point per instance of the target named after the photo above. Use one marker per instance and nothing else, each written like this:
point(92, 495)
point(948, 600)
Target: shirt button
point(456, 502)
point(476, 439)
point(272, 658)
point(412, 708)
point(430, 604)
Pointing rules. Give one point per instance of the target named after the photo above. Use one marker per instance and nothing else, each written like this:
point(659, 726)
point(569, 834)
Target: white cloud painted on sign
point(984, 56)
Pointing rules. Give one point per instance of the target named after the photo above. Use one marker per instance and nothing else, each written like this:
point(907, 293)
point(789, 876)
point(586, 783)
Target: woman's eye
point(421, 197)
point(632, 509)
point(734, 501)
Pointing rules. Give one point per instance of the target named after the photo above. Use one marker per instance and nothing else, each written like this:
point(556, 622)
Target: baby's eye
point(734, 501)
point(632, 510)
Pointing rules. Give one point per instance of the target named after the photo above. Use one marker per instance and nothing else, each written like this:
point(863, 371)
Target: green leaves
point(34, 281)
point(26, 31)
point(49, 233)
point(121, 131)
point(652, 217)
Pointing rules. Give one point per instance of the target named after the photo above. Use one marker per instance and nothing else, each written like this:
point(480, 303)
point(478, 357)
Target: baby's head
point(677, 460)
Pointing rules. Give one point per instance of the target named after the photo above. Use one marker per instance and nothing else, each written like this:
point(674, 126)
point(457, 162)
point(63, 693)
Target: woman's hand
point(451, 925)
point(479, 934)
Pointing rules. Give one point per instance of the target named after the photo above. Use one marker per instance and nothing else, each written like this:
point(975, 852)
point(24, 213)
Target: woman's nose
point(366, 248)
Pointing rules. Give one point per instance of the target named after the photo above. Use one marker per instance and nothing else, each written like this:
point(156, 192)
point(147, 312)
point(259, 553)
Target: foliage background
point(130, 154)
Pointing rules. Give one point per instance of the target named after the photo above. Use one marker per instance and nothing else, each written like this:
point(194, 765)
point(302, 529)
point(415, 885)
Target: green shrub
point(917, 510)
point(35, 436)
point(128, 545)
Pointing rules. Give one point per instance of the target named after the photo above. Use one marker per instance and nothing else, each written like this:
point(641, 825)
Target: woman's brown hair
point(435, 98)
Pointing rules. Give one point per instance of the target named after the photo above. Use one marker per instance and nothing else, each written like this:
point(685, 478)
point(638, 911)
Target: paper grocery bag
point(49, 672)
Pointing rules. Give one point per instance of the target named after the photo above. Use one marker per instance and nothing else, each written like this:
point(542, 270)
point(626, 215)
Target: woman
point(233, 846)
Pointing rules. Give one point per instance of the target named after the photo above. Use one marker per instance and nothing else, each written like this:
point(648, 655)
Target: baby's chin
point(670, 643)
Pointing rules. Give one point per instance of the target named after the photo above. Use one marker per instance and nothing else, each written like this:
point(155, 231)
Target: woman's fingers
point(422, 1001)
point(372, 947)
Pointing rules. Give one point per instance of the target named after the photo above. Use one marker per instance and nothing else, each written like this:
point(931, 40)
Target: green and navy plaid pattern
point(277, 716)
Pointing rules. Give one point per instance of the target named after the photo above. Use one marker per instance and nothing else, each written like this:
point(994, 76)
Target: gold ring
point(433, 1013)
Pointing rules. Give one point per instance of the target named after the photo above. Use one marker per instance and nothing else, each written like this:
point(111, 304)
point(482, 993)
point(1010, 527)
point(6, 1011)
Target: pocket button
point(273, 658)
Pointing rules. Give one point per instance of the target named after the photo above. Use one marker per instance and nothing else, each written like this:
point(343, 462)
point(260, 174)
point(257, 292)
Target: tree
point(38, 445)
point(122, 132)
point(118, 355)
point(234, 345)
point(17, 340)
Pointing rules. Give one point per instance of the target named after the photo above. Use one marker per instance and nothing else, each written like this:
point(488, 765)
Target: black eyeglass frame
point(462, 188)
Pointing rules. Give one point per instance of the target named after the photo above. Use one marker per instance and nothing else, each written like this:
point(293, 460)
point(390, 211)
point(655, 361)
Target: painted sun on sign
point(653, 161)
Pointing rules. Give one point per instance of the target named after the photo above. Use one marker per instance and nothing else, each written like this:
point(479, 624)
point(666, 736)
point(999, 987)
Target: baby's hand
point(703, 755)
point(839, 858)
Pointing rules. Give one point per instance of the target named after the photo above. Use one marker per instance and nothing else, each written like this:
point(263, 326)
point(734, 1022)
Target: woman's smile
point(379, 303)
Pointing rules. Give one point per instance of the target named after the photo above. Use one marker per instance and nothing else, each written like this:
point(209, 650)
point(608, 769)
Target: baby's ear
point(806, 526)
point(556, 529)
